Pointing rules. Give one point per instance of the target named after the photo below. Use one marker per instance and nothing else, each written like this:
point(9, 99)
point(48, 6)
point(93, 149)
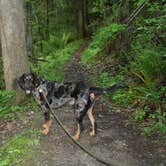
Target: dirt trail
point(115, 142)
point(110, 143)
point(74, 70)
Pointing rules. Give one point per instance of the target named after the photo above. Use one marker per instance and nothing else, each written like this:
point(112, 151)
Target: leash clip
point(40, 90)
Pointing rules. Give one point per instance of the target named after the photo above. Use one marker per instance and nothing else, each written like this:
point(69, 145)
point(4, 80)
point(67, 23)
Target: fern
point(53, 69)
point(148, 65)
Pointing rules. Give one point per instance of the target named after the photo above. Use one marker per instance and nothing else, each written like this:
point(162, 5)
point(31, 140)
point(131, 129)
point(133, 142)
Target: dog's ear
point(33, 75)
point(36, 80)
point(21, 82)
point(50, 86)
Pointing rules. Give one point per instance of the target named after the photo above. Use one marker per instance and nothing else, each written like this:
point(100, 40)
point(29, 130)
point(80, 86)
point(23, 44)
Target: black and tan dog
point(58, 94)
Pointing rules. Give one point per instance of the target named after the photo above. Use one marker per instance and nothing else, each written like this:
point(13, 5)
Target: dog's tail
point(99, 90)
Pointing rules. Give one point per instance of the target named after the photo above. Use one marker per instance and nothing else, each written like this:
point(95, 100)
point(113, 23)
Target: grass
point(8, 109)
point(19, 148)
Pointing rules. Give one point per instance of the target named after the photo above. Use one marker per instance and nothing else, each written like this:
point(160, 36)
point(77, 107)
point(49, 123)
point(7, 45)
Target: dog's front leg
point(47, 124)
point(79, 120)
point(78, 132)
point(92, 120)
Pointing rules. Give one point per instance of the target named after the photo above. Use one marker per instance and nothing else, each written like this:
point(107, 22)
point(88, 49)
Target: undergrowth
point(56, 60)
point(147, 100)
point(144, 73)
point(19, 148)
point(100, 40)
point(8, 108)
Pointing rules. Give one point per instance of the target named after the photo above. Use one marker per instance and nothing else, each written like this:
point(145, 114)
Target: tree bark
point(81, 18)
point(29, 36)
point(14, 54)
point(47, 19)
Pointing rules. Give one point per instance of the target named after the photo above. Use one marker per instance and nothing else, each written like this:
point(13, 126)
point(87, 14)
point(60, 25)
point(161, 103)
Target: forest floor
point(117, 141)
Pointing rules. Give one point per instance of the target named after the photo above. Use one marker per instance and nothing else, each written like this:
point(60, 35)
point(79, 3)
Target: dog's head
point(28, 82)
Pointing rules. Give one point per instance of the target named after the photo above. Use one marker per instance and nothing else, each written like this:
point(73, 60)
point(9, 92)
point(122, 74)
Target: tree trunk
point(40, 34)
point(47, 19)
point(29, 37)
point(80, 18)
point(14, 55)
point(86, 18)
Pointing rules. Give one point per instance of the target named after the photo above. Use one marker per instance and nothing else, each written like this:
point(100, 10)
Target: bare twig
point(135, 13)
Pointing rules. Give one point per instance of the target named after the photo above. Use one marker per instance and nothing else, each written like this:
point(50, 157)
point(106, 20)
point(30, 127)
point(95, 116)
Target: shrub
point(151, 96)
point(148, 65)
point(54, 43)
point(100, 40)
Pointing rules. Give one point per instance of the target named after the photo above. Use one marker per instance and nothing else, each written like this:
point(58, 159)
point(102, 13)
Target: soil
point(117, 141)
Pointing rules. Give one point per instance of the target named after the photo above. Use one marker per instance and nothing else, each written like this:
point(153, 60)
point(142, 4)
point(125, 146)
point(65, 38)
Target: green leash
point(70, 136)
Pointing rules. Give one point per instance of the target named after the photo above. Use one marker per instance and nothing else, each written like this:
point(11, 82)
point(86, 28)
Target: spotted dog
point(80, 94)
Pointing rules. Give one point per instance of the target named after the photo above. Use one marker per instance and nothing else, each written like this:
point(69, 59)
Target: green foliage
point(106, 80)
point(147, 47)
point(121, 97)
point(19, 147)
point(6, 102)
point(153, 106)
point(150, 95)
point(140, 115)
point(54, 43)
point(99, 6)
point(65, 39)
point(148, 65)
point(52, 18)
point(8, 109)
point(144, 53)
point(143, 42)
point(157, 127)
point(124, 97)
point(100, 41)
point(53, 69)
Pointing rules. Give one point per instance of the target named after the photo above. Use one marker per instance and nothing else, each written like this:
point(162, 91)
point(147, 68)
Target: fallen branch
point(37, 59)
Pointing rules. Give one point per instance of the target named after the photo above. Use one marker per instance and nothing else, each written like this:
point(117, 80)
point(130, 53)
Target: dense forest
point(121, 41)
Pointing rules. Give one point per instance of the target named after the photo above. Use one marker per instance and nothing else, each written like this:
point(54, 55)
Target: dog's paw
point(45, 131)
point(44, 126)
point(75, 137)
point(92, 133)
